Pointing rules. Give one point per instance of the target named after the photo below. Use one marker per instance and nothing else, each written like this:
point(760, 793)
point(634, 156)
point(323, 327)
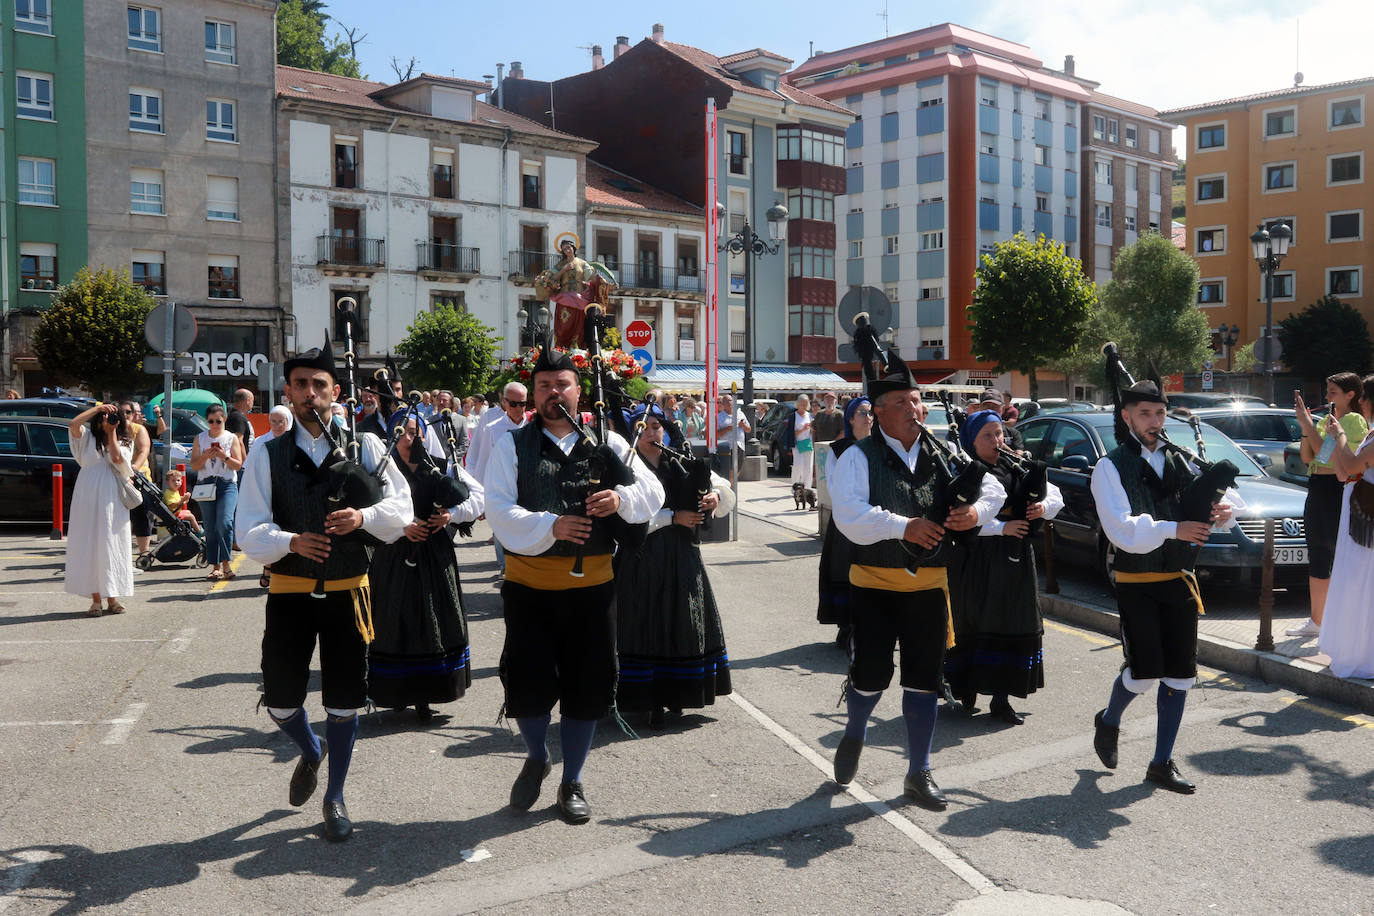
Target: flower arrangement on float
point(620, 365)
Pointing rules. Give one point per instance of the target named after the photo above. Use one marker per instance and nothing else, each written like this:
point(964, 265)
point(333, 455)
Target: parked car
point(1072, 443)
point(29, 447)
point(45, 407)
point(769, 433)
point(1192, 399)
point(1264, 432)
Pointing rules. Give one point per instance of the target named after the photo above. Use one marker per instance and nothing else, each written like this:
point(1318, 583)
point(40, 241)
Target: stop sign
point(638, 333)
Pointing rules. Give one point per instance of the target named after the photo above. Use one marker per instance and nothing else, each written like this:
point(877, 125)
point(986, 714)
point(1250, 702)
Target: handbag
point(1362, 513)
point(129, 495)
point(805, 445)
point(204, 492)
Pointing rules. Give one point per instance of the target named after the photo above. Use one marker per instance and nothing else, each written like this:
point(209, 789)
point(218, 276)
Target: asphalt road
point(139, 778)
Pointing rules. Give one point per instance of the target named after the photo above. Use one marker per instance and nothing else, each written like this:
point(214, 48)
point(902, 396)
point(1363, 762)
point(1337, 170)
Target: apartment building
point(963, 140)
point(1294, 156)
point(43, 215)
point(180, 150)
point(775, 144)
point(406, 195)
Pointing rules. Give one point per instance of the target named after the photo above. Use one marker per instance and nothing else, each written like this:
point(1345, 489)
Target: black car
point(770, 436)
point(65, 408)
point(29, 447)
point(1072, 443)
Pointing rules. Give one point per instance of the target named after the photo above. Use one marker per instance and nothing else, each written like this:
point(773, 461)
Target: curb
point(1296, 674)
point(781, 523)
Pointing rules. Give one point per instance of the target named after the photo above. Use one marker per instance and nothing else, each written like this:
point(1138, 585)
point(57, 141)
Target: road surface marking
point(1082, 634)
point(941, 853)
point(120, 728)
point(234, 565)
point(74, 642)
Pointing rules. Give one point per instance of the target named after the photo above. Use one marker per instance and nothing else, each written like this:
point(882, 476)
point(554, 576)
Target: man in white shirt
point(493, 425)
point(731, 428)
point(287, 517)
point(883, 489)
point(1137, 489)
point(559, 591)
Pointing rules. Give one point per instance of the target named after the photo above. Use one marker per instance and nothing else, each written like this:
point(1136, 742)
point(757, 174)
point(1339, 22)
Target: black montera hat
point(319, 358)
point(551, 360)
point(896, 378)
point(1142, 391)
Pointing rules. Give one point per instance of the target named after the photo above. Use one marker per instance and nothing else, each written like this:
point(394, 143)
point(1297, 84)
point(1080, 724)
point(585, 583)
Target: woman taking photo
point(833, 606)
point(1322, 512)
point(98, 558)
point(216, 458)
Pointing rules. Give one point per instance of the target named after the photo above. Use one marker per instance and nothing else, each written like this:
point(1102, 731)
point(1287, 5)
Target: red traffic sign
point(638, 333)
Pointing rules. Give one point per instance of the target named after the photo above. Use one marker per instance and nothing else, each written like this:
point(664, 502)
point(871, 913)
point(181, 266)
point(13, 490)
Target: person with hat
point(832, 606)
point(883, 488)
point(1137, 488)
point(828, 422)
point(288, 517)
point(671, 642)
point(998, 632)
point(991, 399)
point(550, 505)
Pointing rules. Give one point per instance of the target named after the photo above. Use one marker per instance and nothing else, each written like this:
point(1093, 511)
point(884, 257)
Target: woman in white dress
point(803, 446)
point(1347, 634)
point(99, 562)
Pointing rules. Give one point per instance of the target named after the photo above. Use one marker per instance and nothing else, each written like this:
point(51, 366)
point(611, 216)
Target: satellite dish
point(1297, 79)
point(868, 299)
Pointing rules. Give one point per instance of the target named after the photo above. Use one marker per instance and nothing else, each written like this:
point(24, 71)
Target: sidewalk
point(1226, 633)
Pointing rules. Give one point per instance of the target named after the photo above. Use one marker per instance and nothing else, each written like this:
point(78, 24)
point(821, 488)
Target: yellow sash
point(889, 579)
point(555, 573)
point(1185, 574)
point(282, 584)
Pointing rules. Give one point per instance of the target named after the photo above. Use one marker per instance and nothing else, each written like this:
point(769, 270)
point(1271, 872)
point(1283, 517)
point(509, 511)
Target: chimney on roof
point(517, 72)
point(658, 33)
point(1068, 64)
point(500, 78)
point(597, 60)
point(622, 44)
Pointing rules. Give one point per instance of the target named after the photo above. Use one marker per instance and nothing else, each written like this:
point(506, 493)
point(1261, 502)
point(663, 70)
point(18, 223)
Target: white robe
point(1348, 621)
point(99, 554)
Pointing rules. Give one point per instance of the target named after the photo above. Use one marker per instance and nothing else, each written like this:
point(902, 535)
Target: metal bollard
point(1265, 641)
point(181, 468)
point(1051, 579)
point(56, 533)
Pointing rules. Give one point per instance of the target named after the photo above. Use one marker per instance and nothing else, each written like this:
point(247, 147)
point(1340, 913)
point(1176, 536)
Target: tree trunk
point(1034, 385)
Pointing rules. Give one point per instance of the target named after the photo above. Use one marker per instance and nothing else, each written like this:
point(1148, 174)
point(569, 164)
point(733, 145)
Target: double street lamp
point(534, 327)
point(1271, 245)
point(1226, 338)
point(751, 245)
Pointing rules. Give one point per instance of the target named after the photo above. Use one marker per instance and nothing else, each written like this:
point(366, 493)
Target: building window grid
point(1280, 176)
point(33, 16)
point(1211, 240)
point(37, 181)
point(1345, 168)
point(145, 110)
point(145, 29)
point(223, 281)
point(1280, 122)
point(891, 244)
point(809, 203)
point(1344, 281)
point(34, 95)
point(219, 121)
point(146, 192)
point(1132, 136)
point(1211, 188)
point(801, 144)
point(222, 198)
point(1345, 226)
point(443, 180)
point(151, 275)
point(1102, 172)
point(1211, 136)
point(345, 164)
point(1343, 113)
point(1099, 127)
point(809, 261)
point(856, 248)
point(737, 154)
point(932, 241)
point(1113, 130)
point(1211, 292)
point(1285, 282)
point(37, 271)
point(1102, 215)
point(811, 320)
point(220, 42)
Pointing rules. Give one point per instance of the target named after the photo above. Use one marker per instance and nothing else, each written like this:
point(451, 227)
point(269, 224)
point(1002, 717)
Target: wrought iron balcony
point(445, 257)
point(526, 264)
point(351, 251)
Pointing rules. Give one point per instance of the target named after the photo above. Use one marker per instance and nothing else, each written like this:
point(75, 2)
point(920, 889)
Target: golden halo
point(566, 237)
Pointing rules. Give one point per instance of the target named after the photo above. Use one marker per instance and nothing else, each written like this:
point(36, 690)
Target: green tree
point(92, 335)
point(1030, 306)
point(1243, 358)
point(448, 348)
point(1153, 293)
point(1328, 336)
point(1086, 363)
point(301, 41)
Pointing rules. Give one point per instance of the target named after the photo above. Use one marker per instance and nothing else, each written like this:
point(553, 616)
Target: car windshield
point(937, 417)
point(1219, 447)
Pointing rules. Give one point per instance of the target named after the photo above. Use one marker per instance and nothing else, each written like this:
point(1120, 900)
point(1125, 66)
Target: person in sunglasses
point(216, 458)
point(493, 425)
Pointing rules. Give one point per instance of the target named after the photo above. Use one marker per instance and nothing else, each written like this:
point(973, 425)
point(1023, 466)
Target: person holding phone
point(1322, 511)
point(216, 458)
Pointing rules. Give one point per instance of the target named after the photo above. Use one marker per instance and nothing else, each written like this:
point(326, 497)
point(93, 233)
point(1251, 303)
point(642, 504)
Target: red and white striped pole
point(56, 533)
point(181, 469)
point(711, 350)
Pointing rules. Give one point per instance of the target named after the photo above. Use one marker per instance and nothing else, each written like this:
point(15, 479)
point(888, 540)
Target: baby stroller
point(182, 543)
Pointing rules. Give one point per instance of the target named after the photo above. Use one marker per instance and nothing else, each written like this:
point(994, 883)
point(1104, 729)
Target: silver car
point(1262, 431)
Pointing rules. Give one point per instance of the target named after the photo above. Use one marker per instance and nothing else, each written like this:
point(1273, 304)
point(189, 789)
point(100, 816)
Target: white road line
point(120, 728)
point(65, 642)
point(37, 723)
point(18, 876)
point(178, 643)
point(942, 853)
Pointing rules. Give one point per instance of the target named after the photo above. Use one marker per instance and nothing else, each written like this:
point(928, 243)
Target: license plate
point(1290, 556)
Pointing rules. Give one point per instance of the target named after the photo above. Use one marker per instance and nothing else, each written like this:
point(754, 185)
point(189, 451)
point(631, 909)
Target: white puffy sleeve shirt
point(1137, 533)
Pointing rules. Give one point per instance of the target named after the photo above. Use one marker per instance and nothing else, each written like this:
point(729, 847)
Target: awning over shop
point(678, 378)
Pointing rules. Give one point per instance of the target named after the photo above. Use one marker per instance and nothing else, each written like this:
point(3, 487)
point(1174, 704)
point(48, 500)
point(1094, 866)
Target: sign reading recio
point(234, 365)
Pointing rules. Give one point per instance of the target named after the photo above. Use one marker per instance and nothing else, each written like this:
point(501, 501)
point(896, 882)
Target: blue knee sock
point(297, 725)
point(340, 733)
point(1117, 704)
point(918, 710)
point(576, 736)
point(860, 706)
point(1170, 705)
point(535, 730)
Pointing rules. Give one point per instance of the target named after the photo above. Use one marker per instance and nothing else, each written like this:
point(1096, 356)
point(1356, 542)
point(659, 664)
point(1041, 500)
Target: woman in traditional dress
point(833, 606)
point(420, 653)
point(1347, 633)
point(671, 644)
point(98, 559)
point(993, 589)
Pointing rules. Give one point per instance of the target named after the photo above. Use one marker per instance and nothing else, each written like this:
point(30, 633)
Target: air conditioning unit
point(937, 353)
point(30, 283)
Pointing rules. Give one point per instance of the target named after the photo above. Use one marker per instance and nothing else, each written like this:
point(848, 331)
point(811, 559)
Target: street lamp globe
point(777, 221)
point(1281, 235)
point(720, 218)
point(1260, 241)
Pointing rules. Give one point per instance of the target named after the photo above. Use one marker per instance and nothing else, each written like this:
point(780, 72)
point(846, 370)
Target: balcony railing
point(646, 276)
point(448, 258)
point(525, 263)
point(351, 251)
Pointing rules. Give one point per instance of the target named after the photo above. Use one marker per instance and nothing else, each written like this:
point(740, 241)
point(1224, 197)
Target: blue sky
point(1164, 55)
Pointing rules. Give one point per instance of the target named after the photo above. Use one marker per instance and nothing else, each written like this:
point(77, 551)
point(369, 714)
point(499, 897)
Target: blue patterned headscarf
point(399, 418)
point(850, 410)
point(641, 410)
point(975, 422)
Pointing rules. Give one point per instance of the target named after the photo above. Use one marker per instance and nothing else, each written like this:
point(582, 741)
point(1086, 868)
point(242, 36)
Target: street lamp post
point(1271, 245)
point(751, 245)
point(1227, 337)
point(534, 327)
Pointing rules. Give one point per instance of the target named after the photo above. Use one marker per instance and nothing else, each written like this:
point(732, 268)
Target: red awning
point(931, 376)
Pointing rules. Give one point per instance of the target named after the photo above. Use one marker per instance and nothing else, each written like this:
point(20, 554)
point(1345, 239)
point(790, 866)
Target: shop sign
point(234, 365)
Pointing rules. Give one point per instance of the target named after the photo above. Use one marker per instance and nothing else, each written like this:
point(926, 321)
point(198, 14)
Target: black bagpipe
point(1214, 478)
point(962, 474)
point(348, 485)
point(447, 489)
point(692, 474)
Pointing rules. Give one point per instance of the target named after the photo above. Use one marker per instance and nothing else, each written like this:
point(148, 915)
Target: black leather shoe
point(969, 703)
point(525, 792)
point(1104, 741)
point(1001, 709)
point(572, 803)
point(657, 719)
point(922, 789)
point(1167, 776)
point(337, 826)
point(306, 778)
point(847, 759)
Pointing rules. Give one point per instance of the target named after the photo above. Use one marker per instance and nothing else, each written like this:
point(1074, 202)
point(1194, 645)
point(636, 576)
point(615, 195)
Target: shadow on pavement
point(1086, 816)
point(221, 678)
point(811, 658)
point(41, 618)
point(1290, 722)
point(1354, 854)
point(1329, 781)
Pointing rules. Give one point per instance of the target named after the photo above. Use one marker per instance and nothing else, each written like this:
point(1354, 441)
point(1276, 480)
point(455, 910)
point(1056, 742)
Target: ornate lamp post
point(1227, 337)
point(534, 327)
point(1271, 245)
point(751, 245)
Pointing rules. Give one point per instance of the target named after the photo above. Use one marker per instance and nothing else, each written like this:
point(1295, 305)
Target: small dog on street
point(804, 496)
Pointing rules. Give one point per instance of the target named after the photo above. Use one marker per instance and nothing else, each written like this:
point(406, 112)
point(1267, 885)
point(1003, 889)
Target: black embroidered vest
point(895, 488)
